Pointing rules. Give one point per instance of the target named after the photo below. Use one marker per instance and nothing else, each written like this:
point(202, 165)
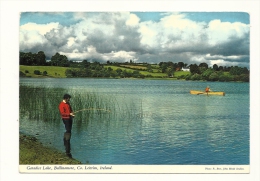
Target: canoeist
point(207, 90)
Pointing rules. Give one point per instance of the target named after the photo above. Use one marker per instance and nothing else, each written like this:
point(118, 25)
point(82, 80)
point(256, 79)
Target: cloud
point(133, 20)
point(40, 28)
point(121, 36)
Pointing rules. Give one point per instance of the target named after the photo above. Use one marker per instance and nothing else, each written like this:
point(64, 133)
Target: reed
point(96, 114)
point(40, 103)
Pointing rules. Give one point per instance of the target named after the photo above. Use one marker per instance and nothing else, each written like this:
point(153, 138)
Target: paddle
point(200, 93)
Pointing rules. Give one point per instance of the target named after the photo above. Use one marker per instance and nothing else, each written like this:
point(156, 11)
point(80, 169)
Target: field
point(139, 67)
point(180, 73)
point(52, 71)
point(132, 68)
point(59, 72)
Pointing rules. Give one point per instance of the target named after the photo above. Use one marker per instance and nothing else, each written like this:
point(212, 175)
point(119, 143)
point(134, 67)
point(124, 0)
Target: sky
point(221, 38)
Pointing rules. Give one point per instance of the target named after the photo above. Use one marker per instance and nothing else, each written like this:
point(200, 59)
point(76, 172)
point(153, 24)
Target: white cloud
point(71, 41)
point(133, 20)
point(123, 54)
point(149, 34)
point(122, 36)
point(42, 29)
point(219, 32)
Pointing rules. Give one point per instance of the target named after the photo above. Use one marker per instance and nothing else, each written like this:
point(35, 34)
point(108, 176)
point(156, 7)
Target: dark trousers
point(67, 134)
point(67, 124)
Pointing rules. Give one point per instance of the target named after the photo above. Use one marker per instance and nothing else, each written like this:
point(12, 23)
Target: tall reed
point(41, 103)
point(94, 111)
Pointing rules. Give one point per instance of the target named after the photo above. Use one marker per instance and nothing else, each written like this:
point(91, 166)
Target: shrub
point(22, 74)
point(37, 72)
point(225, 78)
point(196, 77)
point(244, 77)
point(213, 77)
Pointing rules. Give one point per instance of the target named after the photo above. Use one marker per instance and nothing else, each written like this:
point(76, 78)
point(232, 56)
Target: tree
point(196, 77)
point(245, 70)
point(119, 71)
point(40, 58)
point(194, 69)
point(236, 70)
point(59, 60)
point(215, 67)
point(85, 64)
point(27, 58)
point(213, 76)
point(180, 64)
point(149, 68)
point(170, 71)
point(207, 73)
point(225, 78)
point(245, 77)
point(204, 65)
point(221, 68)
point(22, 59)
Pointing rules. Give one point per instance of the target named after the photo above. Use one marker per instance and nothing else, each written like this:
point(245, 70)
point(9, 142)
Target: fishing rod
point(86, 109)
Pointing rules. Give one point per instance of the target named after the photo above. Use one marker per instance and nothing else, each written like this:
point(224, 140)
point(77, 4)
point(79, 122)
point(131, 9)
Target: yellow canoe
point(204, 93)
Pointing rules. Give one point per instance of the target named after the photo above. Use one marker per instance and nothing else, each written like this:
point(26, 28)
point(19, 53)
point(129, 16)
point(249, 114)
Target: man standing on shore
point(66, 115)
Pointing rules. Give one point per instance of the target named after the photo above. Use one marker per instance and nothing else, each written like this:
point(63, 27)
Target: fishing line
point(86, 109)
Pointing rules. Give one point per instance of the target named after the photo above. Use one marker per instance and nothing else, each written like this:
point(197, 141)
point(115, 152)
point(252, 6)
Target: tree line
point(97, 69)
point(40, 59)
point(204, 72)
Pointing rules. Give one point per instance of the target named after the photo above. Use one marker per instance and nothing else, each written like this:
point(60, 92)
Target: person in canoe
point(207, 90)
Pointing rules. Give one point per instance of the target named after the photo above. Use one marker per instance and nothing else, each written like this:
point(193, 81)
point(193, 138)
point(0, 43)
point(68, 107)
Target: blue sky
point(66, 18)
point(200, 16)
point(220, 38)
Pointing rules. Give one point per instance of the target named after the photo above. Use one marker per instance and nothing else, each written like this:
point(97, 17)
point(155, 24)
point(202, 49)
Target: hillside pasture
point(52, 71)
point(180, 73)
point(137, 67)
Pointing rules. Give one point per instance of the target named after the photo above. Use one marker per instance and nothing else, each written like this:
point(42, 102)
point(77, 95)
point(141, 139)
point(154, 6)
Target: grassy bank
point(31, 151)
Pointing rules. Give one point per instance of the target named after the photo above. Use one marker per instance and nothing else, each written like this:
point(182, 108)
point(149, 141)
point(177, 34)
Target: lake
point(167, 125)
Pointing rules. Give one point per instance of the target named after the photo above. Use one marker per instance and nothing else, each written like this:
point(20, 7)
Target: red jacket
point(65, 110)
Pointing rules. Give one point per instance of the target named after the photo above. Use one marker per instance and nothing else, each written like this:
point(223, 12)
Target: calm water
point(169, 125)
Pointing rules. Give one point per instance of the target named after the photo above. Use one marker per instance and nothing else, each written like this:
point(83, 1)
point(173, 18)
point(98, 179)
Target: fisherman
point(66, 115)
point(207, 90)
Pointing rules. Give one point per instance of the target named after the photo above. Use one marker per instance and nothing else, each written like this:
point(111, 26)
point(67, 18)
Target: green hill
point(59, 72)
point(52, 71)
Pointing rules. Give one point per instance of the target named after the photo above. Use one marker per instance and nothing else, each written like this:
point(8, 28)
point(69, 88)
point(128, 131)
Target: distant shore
point(31, 151)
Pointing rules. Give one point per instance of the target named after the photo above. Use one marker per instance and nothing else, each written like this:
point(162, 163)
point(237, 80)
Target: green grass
point(52, 71)
point(180, 73)
point(139, 67)
point(113, 67)
point(59, 72)
point(154, 74)
point(31, 151)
